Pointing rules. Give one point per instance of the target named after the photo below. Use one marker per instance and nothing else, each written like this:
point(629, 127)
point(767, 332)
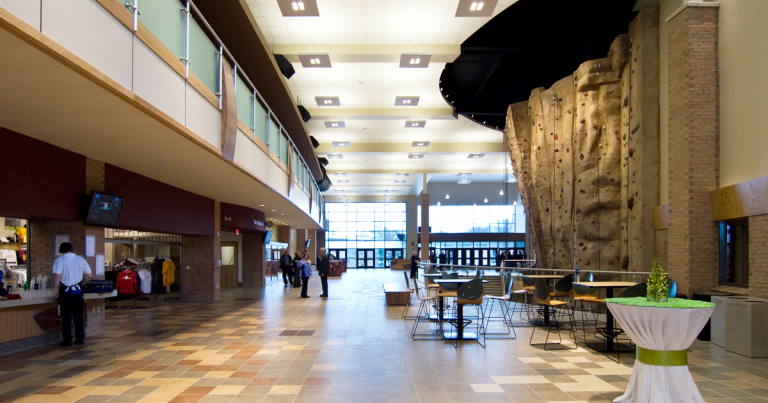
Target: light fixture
point(335, 156)
point(476, 155)
point(298, 8)
point(402, 174)
point(327, 101)
point(282, 213)
point(312, 60)
point(447, 196)
point(464, 173)
point(342, 182)
point(390, 191)
point(415, 155)
point(274, 210)
point(474, 204)
point(476, 8)
point(485, 201)
point(415, 124)
point(415, 60)
point(514, 203)
point(341, 143)
point(335, 124)
point(340, 174)
point(406, 101)
point(464, 180)
point(400, 182)
point(420, 144)
point(501, 192)
point(438, 203)
point(512, 180)
point(261, 205)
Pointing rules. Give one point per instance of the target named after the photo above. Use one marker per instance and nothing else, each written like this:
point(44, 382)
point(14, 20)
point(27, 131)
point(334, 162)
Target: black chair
point(470, 293)
point(548, 312)
point(638, 290)
point(585, 295)
point(563, 287)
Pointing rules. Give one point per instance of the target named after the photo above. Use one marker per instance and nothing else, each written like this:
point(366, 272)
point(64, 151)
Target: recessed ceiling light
point(312, 60)
point(414, 124)
point(335, 157)
point(402, 174)
point(415, 60)
point(464, 182)
point(327, 101)
point(390, 191)
point(399, 182)
point(438, 203)
point(298, 8)
point(447, 196)
point(485, 201)
point(406, 101)
point(476, 155)
point(415, 155)
point(340, 174)
point(335, 124)
point(420, 144)
point(282, 213)
point(261, 205)
point(274, 210)
point(476, 8)
point(512, 180)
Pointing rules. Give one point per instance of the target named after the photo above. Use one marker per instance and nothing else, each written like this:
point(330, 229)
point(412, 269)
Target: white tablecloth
point(661, 329)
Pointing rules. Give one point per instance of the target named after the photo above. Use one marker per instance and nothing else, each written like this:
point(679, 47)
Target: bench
point(397, 294)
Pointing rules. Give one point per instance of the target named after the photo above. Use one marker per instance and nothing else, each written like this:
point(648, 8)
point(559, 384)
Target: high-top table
point(663, 332)
point(609, 287)
point(458, 335)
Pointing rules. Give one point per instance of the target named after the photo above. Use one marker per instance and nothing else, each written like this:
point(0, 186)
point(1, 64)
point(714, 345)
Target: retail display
point(169, 273)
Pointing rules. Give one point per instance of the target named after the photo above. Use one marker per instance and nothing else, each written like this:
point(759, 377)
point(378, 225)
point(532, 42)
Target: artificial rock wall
point(585, 153)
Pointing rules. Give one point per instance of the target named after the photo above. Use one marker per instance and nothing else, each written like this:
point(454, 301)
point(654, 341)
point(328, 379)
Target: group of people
point(298, 269)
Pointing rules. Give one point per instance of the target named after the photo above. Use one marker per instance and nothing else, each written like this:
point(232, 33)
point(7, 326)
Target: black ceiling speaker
point(304, 113)
point(323, 161)
point(324, 184)
point(314, 141)
point(285, 66)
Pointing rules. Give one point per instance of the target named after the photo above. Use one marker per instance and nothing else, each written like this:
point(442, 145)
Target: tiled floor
point(268, 345)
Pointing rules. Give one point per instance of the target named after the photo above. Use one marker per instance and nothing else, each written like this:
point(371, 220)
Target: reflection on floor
point(268, 345)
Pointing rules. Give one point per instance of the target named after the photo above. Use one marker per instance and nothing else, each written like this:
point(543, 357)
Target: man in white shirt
point(69, 271)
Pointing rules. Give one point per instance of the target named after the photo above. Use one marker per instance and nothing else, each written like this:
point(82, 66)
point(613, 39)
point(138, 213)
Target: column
point(693, 147)
point(254, 259)
point(201, 264)
point(424, 225)
point(411, 226)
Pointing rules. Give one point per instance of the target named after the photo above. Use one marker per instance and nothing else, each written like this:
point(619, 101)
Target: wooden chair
point(548, 311)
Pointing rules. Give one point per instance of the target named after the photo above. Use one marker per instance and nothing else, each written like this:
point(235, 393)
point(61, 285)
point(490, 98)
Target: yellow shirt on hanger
point(22, 233)
point(169, 275)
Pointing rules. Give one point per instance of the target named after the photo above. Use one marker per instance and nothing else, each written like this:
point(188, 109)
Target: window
point(475, 219)
point(378, 228)
point(734, 253)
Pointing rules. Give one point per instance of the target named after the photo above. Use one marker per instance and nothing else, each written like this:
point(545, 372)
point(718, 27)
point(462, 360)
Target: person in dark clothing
point(69, 272)
point(433, 258)
point(297, 265)
point(414, 266)
point(323, 269)
point(443, 258)
point(286, 265)
point(500, 258)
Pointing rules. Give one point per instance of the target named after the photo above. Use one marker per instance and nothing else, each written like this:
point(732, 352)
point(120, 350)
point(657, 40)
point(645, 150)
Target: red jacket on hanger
point(128, 283)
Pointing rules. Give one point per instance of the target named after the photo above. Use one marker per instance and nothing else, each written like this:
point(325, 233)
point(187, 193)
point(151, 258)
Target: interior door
point(228, 264)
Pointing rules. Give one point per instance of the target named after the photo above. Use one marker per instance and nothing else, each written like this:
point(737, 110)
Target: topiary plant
point(658, 290)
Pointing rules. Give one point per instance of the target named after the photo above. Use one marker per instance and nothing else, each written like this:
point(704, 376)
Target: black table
point(458, 335)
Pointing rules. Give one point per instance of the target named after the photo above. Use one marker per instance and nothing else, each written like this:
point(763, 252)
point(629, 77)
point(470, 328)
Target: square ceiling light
point(327, 101)
point(464, 182)
point(335, 124)
point(464, 173)
point(476, 8)
point(340, 174)
point(390, 191)
point(298, 8)
point(311, 60)
point(402, 174)
point(341, 143)
point(420, 144)
point(476, 155)
point(415, 124)
point(415, 155)
point(406, 101)
point(335, 157)
point(400, 182)
point(342, 182)
point(414, 60)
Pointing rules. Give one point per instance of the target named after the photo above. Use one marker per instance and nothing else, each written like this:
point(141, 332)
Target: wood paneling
point(661, 217)
point(741, 200)
point(228, 113)
point(18, 323)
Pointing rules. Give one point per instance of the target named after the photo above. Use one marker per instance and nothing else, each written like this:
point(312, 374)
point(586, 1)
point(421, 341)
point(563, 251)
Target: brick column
point(424, 227)
point(693, 148)
point(253, 260)
point(200, 269)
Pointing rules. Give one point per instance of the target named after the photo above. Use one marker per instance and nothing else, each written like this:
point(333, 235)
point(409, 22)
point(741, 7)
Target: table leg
point(609, 324)
point(440, 310)
point(460, 322)
point(546, 315)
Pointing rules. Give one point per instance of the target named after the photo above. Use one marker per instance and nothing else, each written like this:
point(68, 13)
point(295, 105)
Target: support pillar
point(201, 264)
point(424, 226)
point(254, 260)
point(693, 147)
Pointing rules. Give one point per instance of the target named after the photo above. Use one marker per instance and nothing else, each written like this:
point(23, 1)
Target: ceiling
point(365, 39)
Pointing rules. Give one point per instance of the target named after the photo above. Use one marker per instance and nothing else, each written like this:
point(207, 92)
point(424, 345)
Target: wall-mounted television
point(267, 237)
point(104, 210)
point(307, 244)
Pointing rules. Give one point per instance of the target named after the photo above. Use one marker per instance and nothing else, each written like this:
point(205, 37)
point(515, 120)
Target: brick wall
point(693, 148)
point(661, 247)
point(758, 256)
point(200, 273)
point(95, 177)
point(41, 248)
point(253, 260)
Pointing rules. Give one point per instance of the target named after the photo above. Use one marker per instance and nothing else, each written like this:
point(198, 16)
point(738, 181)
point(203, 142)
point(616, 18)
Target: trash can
point(705, 333)
point(746, 323)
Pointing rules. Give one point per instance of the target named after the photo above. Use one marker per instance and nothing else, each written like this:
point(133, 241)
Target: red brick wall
point(693, 148)
point(200, 272)
point(758, 256)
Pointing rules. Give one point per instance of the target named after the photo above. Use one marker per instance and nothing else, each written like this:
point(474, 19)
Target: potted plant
point(658, 290)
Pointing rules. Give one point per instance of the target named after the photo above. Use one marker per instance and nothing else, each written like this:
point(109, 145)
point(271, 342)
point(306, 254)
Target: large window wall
point(476, 219)
point(369, 234)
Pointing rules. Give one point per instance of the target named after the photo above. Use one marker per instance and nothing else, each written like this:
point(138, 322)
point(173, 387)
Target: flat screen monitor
point(267, 237)
point(104, 210)
point(307, 244)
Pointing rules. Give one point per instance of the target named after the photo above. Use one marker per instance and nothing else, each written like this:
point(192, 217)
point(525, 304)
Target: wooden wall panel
point(661, 217)
point(228, 113)
point(741, 200)
point(18, 322)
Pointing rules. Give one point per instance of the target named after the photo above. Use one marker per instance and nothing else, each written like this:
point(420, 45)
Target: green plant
point(658, 290)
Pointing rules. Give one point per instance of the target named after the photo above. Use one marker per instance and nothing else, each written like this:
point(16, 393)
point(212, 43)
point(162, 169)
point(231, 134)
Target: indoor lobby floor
point(269, 345)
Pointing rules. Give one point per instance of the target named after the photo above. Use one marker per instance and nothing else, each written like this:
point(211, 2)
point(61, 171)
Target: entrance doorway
point(390, 254)
point(365, 259)
point(228, 264)
point(339, 254)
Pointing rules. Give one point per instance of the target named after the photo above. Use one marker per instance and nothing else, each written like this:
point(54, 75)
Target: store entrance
point(390, 254)
point(228, 264)
point(366, 258)
point(13, 256)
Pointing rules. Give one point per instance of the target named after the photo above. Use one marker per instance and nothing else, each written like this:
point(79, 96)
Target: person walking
point(69, 272)
point(297, 265)
point(306, 273)
point(432, 258)
point(323, 269)
point(286, 265)
point(414, 265)
point(443, 258)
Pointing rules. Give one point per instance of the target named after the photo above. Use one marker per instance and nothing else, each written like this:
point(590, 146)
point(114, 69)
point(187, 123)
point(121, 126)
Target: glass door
point(338, 254)
point(390, 254)
point(366, 259)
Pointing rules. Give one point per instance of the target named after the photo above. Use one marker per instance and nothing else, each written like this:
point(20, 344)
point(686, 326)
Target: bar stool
point(413, 290)
point(422, 315)
point(470, 293)
point(548, 311)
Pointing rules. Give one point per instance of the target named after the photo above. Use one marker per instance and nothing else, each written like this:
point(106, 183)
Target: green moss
point(672, 303)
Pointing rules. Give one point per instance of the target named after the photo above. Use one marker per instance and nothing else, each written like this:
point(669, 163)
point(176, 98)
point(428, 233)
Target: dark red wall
point(40, 181)
point(153, 206)
point(242, 218)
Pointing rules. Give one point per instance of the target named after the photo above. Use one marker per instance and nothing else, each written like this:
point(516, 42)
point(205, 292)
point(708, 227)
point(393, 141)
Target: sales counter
point(34, 322)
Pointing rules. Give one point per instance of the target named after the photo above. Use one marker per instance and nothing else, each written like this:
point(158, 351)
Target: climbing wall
point(576, 150)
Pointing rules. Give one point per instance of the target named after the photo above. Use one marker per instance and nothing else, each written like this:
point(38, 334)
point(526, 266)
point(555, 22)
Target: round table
point(663, 332)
